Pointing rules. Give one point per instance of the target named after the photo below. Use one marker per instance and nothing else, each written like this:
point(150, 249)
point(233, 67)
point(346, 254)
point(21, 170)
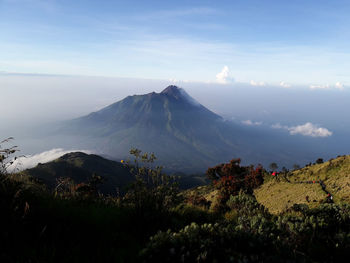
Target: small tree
point(232, 168)
point(231, 177)
point(273, 166)
point(319, 161)
point(284, 169)
point(153, 190)
point(296, 166)
point(5, 154)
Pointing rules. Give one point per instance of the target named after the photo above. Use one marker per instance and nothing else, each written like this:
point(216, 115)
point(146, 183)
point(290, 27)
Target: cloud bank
point(307, 129)
point(31, 161)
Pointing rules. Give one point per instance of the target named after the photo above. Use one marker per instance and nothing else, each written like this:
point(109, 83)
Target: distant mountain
point(184, 135)
point(80, 167)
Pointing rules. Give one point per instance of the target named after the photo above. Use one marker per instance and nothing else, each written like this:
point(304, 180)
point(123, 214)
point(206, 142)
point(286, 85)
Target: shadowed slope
point(80, 167)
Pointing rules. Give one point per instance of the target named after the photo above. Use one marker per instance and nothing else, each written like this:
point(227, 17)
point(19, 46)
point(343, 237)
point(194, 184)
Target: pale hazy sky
point(32, 99)
point(259, 42)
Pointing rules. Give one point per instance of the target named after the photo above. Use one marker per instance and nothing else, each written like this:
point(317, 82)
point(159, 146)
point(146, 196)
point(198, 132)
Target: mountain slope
point(312, 186)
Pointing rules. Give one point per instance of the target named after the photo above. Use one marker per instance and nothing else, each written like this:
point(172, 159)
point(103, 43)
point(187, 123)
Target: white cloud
point(307, 129)
point(279, 126)
point(224, 77)
point(252, 123)
point(319, 86)
point(31, 161)
point(255, 83)
point(285, 85)
point(339, 85)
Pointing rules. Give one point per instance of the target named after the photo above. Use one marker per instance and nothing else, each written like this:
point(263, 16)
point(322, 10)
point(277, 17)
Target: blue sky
point(260, 42)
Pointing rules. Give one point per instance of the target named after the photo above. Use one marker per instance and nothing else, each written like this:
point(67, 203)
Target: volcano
point(179, 130)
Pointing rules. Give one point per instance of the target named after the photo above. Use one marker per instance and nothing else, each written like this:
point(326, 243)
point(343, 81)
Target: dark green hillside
point(80, 167)
point(154, 222)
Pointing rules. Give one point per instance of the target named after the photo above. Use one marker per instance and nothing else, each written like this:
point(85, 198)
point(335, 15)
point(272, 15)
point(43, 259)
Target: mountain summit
point(172, 91)
point(179, 93)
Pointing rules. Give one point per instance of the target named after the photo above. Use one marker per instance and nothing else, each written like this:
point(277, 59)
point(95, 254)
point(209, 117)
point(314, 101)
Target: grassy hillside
point(301, 186)
point(280, 194)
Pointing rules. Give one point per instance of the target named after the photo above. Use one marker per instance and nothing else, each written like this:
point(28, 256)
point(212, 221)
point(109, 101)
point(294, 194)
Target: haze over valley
point(293, 118)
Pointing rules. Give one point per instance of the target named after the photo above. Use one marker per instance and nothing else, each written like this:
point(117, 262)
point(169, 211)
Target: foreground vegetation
point(155, 222)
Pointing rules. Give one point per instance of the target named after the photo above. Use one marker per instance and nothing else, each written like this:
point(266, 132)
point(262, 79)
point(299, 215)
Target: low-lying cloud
point(31, 161)
point(252, 123)
point(284, 84)
point(257, 83)
point(307, 129)
point(338, 85)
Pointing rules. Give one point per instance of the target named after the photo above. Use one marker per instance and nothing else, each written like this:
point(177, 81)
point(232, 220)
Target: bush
point(246, 205)
point(210, 243)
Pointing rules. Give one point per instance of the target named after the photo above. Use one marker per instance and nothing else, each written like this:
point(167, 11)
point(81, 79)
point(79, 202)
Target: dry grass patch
point(335, 174)
point(279, 196)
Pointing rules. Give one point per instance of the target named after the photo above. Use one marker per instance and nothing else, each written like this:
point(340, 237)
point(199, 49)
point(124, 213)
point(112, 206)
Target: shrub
point(210, 243)
point(246, 204)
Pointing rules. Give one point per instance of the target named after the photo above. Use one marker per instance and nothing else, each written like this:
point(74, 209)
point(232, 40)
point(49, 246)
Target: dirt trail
point(320, 182)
